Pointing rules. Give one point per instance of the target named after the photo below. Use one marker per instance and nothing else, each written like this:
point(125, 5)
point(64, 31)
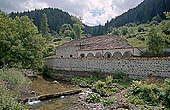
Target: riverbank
point(122, 93)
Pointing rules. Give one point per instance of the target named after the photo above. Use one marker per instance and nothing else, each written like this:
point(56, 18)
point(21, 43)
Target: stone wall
point(134, 68)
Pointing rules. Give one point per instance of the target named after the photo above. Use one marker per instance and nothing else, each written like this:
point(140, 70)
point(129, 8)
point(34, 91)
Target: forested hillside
point(142, 13)
point(56, 18)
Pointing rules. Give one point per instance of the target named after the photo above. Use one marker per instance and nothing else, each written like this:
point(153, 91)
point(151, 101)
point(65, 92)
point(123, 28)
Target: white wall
point(134, 51)
point(67, 51)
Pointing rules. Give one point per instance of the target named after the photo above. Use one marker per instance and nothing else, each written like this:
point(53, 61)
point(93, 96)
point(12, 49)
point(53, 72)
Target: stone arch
point(90, 55)
point(98, 55)
point(117, 55)
point(107, 55)
point(127, 54)
point(82, 55)
point(71, 56)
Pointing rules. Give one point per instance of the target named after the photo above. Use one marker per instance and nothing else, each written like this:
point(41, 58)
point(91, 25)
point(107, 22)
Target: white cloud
point(32, 4)
point(93, 12)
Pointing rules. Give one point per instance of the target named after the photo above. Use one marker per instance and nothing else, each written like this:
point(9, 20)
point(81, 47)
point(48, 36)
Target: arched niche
point(98, 55)
point(127, 54)
point(82, 55)
point(117, 55)
point(107, 55)
point(90, 55)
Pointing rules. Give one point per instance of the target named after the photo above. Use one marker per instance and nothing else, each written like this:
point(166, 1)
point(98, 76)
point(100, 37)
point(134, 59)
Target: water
point(66, 103)
point(33, 100)
point(45, 86)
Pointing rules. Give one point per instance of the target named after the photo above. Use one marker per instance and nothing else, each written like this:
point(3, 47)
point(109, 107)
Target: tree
point(77, 30)
point(124, 30)
point(115, 31)
point(67, 31)
point(44, 30)
point(155, 43)
point(20, 43)
point(77, 21)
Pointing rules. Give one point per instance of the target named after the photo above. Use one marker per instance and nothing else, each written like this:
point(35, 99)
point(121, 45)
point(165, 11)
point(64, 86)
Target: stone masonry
point(134, 68)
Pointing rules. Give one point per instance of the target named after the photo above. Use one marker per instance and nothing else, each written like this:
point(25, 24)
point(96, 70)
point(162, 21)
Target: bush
point(107, 87)
point(15, 81)
point(166, 93)
point(148, 93)
point(8, 101)
point(93, 98)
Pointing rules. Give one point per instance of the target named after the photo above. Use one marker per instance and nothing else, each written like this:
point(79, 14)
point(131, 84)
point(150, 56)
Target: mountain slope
point(142, 13)
point(56, 17)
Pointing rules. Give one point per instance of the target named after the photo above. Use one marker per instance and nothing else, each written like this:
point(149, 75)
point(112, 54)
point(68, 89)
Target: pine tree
point(44, 30)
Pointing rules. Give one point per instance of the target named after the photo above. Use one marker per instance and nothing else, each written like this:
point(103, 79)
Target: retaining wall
point(134, 68)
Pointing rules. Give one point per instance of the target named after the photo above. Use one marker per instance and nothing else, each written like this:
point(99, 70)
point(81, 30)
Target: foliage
point(108, 101)
point(107, 87)
point(8, 101)
point(15, 81)
point(56, 18)
point(166, 93)
point(143, 93)
point(167, 14)
point(77, 30)
point(93, 98)
point(44, 30)
point(143, 13)
point(155, 43)
point(67, 31)
point(20, 43)
point(115, 31)
point(104, 86)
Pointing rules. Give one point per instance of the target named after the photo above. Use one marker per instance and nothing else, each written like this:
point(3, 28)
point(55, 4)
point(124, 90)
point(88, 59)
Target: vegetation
point(44, 30)
point(146, 94)
point(21, 45)
point(15, 81)
point(8, 101)
point(150, 7)
point(143, 93)
point(12, 82)
point(104, 86)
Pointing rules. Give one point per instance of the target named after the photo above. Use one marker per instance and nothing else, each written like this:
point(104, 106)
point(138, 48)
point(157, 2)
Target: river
point(43, 85)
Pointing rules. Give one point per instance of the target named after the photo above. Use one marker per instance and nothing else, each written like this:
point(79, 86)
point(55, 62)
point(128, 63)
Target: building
point(97, 47)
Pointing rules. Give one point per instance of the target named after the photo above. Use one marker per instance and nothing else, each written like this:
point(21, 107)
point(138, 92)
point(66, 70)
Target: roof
point(99, 43)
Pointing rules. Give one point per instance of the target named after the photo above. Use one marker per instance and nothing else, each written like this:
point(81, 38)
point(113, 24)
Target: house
point(105, 46)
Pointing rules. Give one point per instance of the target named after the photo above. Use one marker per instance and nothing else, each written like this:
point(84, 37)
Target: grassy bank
point(121, 92)
point(13, 86)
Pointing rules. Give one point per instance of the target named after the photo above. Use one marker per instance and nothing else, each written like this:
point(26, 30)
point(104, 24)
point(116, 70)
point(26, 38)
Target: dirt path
point(121, 102)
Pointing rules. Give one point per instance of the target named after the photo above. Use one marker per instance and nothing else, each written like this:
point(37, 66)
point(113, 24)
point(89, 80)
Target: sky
point(92, 12)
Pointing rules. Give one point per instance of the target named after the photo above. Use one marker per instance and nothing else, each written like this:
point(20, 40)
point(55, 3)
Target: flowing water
point(45, 86)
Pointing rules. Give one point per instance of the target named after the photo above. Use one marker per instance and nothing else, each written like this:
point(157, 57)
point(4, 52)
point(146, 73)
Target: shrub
point(106, 88)
point(82, 82)
point(166, 93)
point(8, 101)
point(93, 98)
point(15, 81)
point(148, 93)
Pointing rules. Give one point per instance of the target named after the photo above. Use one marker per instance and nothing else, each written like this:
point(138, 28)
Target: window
point(82, 55)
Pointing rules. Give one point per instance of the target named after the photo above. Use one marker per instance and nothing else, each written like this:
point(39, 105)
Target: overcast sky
point(93, 12)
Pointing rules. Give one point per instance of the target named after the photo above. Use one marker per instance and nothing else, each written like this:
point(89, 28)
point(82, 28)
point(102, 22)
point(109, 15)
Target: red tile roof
point(99, 43)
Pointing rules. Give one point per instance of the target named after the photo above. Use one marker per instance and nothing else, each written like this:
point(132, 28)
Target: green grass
point(137, 43)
